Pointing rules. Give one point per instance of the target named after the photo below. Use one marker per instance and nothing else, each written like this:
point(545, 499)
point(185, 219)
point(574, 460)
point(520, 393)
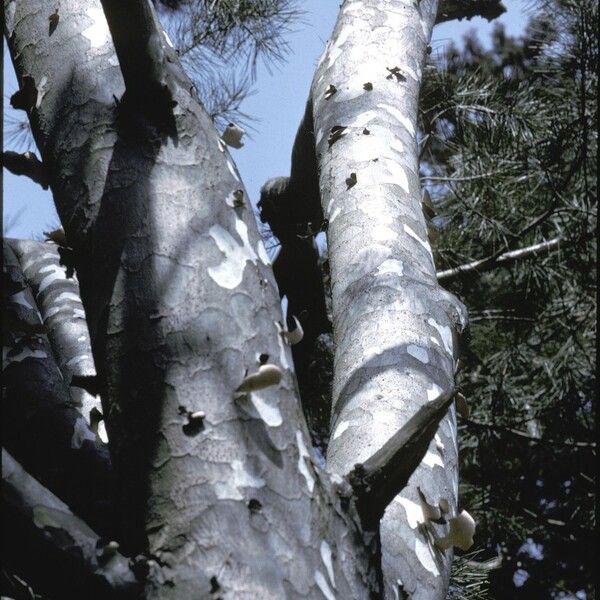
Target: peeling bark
point(57, 298)
point(41, 426)
point(395, 328)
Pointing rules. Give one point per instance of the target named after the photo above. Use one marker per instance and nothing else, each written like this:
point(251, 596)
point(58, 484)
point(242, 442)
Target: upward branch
point(378, 480)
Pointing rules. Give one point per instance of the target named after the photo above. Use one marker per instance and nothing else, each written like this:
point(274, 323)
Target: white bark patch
point(97, 33)
point(381, 233)
point(391, 265)
point(262, 253)
point(363, 119)
point(335, 213)
point(230, 272)
point(412, 234)
point(81, 432)
point(102, 434)
point(232, 170)
point(168, 39)
point(340, 429)
point(406, 69)
point(423, 552)
point(326, 558)
point(431, 459)
point(419, 353)
point(271, 415)
point(79, 313)
point(414, 512)
point(20, 298)
point(67, 296)
point(397, 146)
point(229, 489)
point(433, 392)
point(76, 359)
point(438, 443)
point(52, 311)
point(324, 586)
point(445, 333)
point(302, 466)
point(57, 275)
point(400, 116)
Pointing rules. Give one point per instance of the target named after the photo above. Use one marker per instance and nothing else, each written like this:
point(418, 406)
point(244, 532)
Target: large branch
point(40, 425)
point(467, 9)
point(488, 264)
point(54, 546)
point(396, 330)
point(57, 297)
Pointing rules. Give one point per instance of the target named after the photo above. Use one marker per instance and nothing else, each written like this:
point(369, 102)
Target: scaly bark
point(180, 301)
point(395, 328)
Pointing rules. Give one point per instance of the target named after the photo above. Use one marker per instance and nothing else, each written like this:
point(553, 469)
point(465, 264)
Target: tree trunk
point(394, 328)
point(218, 487)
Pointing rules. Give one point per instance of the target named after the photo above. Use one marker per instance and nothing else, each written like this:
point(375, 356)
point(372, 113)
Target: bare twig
point(489, 263)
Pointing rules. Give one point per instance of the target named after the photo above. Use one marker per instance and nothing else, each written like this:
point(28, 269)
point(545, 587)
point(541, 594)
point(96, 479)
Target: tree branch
point(26, 164)
point(77, 560)
point(378, 480)
point(467, 9)
point(489, 263)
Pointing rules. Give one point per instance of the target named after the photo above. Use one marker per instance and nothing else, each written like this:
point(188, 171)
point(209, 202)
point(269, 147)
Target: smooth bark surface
point(395, 329)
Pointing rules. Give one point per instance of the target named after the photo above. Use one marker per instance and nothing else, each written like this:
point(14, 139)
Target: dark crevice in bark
point(378, 480)
point(292, 208)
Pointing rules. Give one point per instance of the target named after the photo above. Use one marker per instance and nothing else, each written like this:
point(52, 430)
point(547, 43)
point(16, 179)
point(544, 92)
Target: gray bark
point(57, 298)
point(395, 328)
point(180, 301)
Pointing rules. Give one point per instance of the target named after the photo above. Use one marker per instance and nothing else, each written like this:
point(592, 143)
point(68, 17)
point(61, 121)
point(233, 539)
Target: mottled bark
point(41, 426)
point(64, 556)
point(395, 328)
point(57, 298)
point(180, 301)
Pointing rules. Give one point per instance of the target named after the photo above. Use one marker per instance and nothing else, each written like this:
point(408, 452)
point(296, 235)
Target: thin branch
point(85, 560)
point(467, 9)
point(527, 437)
point(489, 263)
point(378, 480)
point(26, 164)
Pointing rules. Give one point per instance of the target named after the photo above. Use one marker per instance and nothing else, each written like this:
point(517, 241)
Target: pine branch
point(491, 262)
point(26, 164)
point(80, 559)
point(378, 480)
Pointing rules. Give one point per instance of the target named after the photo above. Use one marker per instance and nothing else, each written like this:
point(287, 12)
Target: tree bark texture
point(395, 328)
point(181, 302)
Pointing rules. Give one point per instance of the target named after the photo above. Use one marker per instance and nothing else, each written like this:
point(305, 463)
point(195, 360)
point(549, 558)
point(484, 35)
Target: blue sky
point(278, 105)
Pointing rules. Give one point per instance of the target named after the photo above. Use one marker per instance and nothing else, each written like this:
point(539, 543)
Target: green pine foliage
point(509, 152)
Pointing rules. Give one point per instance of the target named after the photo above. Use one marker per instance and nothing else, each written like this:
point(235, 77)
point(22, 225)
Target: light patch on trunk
point(76, 359)
point(431, 459)
point(168, 39)
point(326, 558)
point(79, 313)
point(57, 275)
point(271, 415)
point(25, 353)
point(397, 146)
point(229, 489)
point(324, 586)
point(20, 298)
point(302, 458)
point(52, 311)
point(423, 553)
point(400, 116)
point(335, 213)
point(406, 69)
point(438, 443)
point(262, 253)
point(391, 265)
point(433, 392)
point(445, 333)
point(381, 233)
point(363, 118)
point(340, 429)
point(232, 170)
point(97, 33)
point(230, 272)
point(67, 296)
point(419, 353)
point(412, 234)
point(81, 432)
point(414, 512)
